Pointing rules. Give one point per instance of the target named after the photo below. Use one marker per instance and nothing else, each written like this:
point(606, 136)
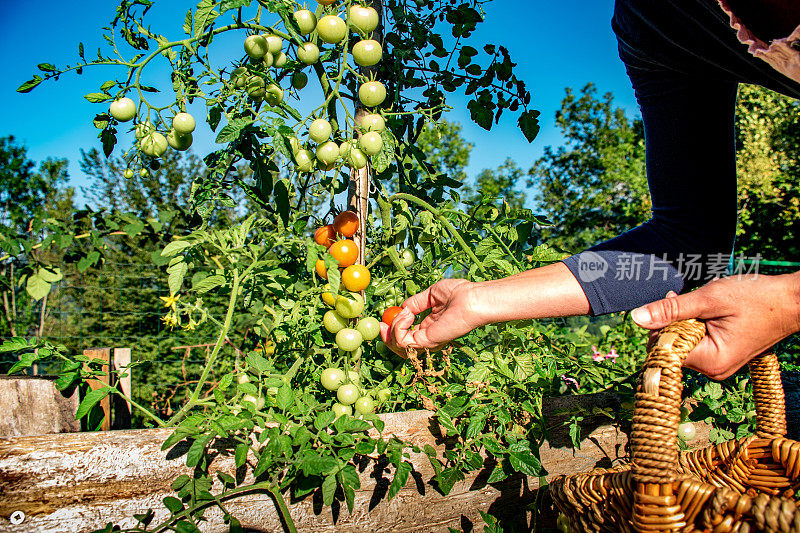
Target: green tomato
point(154, 144)
point(347, 394)
point(123, 109)
point(372, 93)
point(407, 257)
point(179, 141)
point(369, 327)
point(350, 305)
point(320, 130)
point(684, 413)
point(354, 356)
point(258, 402)
point(331, 378)
point(143, 129)
point(294, 143)
point(562, 523)
point(373, 122)
point(371, 143)
point(274, 94)
point(331, 29)
point(353, 377)
point(299, 80)
point(128, 173)
point(328, 153)
point(144, 173)
point(384, 394)
point(339, 410)
point(304, 160)
point(308, 53)
point(280, 60)
point(239, 77)
point(256, 87)
point(367, 52)
point(333, 321)
point(381, 348)
point(274, 44)
point(356, 159)
point(364, 19)
point(344, 148)
point(687, 431)
point(183, 123)
point(268, 59)
point(306, 21)
point(256, 47)
point(348, 339)
point(365, 405)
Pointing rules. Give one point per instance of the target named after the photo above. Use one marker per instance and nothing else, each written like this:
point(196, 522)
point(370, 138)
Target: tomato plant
point(264, 271)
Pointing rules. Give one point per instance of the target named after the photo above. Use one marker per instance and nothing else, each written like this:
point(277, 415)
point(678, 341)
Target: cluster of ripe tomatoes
point(345, 320)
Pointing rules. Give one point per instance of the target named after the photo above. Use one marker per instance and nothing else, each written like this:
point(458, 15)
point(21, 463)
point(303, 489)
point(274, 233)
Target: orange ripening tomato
point(345, 252)
point(325, 236)
point(346, 223)
point(389, 314)
point(355, 278)
point(320, 268)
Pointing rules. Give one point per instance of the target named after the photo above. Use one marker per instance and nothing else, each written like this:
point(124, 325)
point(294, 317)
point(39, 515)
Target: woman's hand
point(744, 317)
point(452, 315)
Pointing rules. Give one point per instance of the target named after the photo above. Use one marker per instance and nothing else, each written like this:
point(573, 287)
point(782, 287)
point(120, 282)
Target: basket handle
point(658, 397)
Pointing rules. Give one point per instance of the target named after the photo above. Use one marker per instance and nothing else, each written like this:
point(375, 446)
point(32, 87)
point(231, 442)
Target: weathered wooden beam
point(31, 405)
point(80, 482)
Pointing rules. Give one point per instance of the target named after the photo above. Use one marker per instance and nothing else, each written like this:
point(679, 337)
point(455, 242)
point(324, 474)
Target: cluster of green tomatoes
point(267, 51)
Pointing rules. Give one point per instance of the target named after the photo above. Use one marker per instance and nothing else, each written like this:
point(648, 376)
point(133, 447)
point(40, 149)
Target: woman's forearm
point(548, 291)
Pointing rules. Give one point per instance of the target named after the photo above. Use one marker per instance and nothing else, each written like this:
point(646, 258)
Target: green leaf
point(109, 140)
point(91, 399)
point(209, 283)
point(324, 420)
point(285, 397)
point(240, 455)
point(497, 475)
point(525, 462)
point(204, 16)
point(480, 114)
point(97, 98)
point(197, 449)
point(281, 196)
point(529, 124)
point(176, 273)
point(29, 85)
point(399, 480)
point(37, 287)
point(258, 363)
point(173, 504)
point(328, 489)
point(84, 263)
point(175, 247)
point(448, 478)
point(312, 463)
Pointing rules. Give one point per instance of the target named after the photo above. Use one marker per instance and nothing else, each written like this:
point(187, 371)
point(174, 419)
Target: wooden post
point(358, 190)
point(122, 408)
point(31, 405)
point(104, 354)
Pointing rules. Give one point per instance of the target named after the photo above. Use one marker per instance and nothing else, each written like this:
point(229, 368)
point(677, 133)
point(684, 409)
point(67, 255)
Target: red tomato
point(389, 314)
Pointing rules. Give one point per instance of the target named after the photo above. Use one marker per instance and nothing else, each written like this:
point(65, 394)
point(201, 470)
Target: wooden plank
point(80, 482)
point(121, 412)
point(94, 384)
point(31, 405)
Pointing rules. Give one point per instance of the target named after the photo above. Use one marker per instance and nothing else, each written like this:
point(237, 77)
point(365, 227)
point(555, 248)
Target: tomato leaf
point(399, 480)
point(91, 399)
point(529, 124)
point(29, 85)
point(97, 98)
point(241, 454)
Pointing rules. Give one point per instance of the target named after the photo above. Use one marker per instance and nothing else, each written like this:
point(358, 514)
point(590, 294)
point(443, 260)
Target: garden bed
point(79, 482)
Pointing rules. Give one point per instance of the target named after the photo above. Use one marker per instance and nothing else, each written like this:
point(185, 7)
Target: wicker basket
point(740, 486)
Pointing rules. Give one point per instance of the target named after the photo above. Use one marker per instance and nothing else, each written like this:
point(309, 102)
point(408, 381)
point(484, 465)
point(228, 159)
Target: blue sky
point(556, 45)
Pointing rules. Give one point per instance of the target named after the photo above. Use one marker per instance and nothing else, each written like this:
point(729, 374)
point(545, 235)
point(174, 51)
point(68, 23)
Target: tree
point(26, 193)
point(502, 183)
point(768, 140)
point(594, 186)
